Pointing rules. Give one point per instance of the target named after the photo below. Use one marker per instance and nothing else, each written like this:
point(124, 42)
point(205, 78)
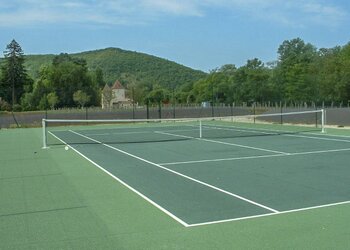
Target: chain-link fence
point(335, 116)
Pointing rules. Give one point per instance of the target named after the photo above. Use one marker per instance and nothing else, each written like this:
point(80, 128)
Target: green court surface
point(276, 191)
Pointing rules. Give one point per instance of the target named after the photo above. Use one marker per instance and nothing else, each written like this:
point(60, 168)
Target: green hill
point(126, 65)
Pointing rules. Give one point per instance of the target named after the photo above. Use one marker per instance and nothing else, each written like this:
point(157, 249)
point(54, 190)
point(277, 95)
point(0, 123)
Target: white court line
point(125, 184)
point(120, 133)
point(251, 130)
point(330, 135)
point(239, 129)
point(137, 132)
point(182, 175)
point(269, 214)
point(178, 130)
point(255, 157)
point(317, 138)
point(175, 135)
point(321, 151)
point(109, 133)
point(221, 159)
point(243, 146)
point(225, 143)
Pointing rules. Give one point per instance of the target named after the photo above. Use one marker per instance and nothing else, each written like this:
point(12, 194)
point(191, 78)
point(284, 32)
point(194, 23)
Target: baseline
point(270, 214)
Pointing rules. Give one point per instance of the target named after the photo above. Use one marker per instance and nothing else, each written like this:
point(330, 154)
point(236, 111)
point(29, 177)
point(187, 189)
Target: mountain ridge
point(125, 65)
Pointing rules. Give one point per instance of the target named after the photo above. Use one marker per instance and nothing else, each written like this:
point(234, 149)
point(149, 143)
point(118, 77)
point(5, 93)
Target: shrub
point(17, 108)
point(4, 106)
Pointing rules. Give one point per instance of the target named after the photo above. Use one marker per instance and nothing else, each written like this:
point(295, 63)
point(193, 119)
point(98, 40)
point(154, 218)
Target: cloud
point(295, 13)
point(179, 7)
point(324, 14)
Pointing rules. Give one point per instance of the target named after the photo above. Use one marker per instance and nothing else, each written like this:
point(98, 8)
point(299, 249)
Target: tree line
point(66, 82)
point(301, 73)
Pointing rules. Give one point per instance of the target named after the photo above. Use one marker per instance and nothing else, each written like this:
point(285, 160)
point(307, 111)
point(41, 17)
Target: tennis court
point(223, 171)
point(168, 187)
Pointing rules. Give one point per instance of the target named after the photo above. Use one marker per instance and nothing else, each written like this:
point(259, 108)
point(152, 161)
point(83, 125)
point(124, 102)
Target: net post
point(323, 118)
point(43, 122)
point(200, 128)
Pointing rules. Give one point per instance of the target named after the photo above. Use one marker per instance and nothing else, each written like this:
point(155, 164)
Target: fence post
point(254, 110)
point(147, 109)
point(160, 110)
point(133, 103)
point(281, 112)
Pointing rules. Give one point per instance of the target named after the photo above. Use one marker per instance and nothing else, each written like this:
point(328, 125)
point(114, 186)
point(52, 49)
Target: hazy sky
point(202, 34)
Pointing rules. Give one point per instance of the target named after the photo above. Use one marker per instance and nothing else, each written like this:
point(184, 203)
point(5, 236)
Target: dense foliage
point(301, 73)
point(63, 78)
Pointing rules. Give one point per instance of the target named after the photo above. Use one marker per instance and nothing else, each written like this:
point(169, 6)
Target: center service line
point(179, 174)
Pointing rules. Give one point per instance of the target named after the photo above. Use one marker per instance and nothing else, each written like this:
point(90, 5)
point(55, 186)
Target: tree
point(42, 87)
point(27, 102)
point(213, 88)
point(136, 89)
point(107, 96)
point(14, 75)
point(52, 99)
point(157, 95)
point(99, 79)
point(332, 71)
point(257, 81)
point(57, 83)
point(81, 98)
point(228, 69)
point(66, 76)
point(295, 58)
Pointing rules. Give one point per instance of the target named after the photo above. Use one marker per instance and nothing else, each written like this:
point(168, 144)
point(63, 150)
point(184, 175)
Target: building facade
point(114, 97)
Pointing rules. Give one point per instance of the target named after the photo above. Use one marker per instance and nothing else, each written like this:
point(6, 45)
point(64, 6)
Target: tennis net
point(58, 131)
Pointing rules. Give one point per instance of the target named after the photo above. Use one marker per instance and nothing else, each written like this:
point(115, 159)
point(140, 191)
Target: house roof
point(117, 85)
point(106, 88)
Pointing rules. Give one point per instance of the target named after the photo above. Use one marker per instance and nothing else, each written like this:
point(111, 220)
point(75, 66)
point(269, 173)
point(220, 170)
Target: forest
point(302, 73)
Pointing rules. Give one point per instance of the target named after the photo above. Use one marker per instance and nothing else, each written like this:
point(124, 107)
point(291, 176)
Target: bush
point(43, 105)
point(27, 102)
point(4, 106)
point(17, 108)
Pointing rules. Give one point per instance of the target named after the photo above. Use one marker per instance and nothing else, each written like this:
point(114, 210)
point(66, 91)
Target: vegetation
point(65, 83)
point(301, 73)
point(52, 99)
point(81, 98)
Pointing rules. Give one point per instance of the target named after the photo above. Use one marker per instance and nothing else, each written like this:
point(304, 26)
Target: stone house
point(114, 97)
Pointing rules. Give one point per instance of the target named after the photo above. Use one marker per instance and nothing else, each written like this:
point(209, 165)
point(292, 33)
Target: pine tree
point(14, 75)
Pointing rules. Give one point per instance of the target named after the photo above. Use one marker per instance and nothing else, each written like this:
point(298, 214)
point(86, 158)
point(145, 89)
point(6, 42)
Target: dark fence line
point(335, 116)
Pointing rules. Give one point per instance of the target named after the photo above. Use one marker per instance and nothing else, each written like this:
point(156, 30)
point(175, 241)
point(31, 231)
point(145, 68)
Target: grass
point(55, 199)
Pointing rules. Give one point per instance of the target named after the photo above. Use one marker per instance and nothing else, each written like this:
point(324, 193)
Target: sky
point(201, 34)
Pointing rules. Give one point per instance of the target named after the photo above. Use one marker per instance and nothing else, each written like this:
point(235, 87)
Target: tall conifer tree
point(14, 75)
